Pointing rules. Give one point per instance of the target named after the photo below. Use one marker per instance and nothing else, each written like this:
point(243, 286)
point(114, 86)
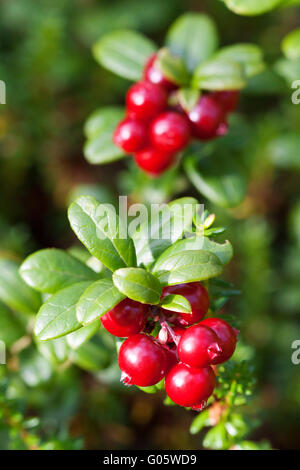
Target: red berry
point(199, 346)
point(172, 358)
point(188, 386)
point(198, 297)
point(226, 337)
point(130, 135)
point(142, 360)
point(125, 319)
point(228, 99)
point(170, 132)
point(145, 100)
point(153, 161)
point(205, 118)
point(153, 74)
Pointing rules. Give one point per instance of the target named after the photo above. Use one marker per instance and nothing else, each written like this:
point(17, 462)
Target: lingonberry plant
point(184, 92)
point(152, 294)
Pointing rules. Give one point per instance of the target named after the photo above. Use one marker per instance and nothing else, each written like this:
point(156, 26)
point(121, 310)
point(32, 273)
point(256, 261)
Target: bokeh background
point(53, 84)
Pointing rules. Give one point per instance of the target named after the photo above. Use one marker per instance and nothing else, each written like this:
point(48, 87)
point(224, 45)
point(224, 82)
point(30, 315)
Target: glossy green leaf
point(124, 52)
point(219, 74)
point(176, 303)
point(223, 251)
point(172, 67)
point(98, 299)
point(218, 177)
point(57, 316)
point(138, 284)
point(98, 227)
point(152, 239)
point(51, 270)
point(99, 128)
point(187, 266)
point(291, 45)
point(193, 37)
point(10, 327)
point(79, 337)
point(14, 292)
point(252, 7)
point(249, 56)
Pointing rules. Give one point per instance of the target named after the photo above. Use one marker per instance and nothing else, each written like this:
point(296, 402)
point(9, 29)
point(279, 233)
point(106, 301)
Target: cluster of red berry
point(154, 131)
point(184, 353)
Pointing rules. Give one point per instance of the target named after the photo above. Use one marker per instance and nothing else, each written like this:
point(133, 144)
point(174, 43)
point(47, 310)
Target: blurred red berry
point(145, 100)
point(130, 135)
point(205, 118)
point(169, 132)
point(153, 161)
point(228, 99)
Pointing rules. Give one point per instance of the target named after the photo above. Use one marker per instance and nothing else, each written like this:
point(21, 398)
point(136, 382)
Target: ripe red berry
point(228, 99)
point(130, 135)
point(188, 386)
point(171, 356)
point(170, 132)
point(125, 319)
point(153, 161)
point(205, 118)
point(153, 74)
point(226, 338)
point(145, 100)
point(199, 346)
point(198, 297)
point(142, 360)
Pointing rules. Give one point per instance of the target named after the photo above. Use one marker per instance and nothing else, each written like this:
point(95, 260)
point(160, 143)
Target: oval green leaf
point(291, 45)
point(249, 56)
point(252, 7)
point(219, 74)
point(57, 316)
point(193, 37)
point(98, 299)
point(176, 303)
point(188, 266)
point(124, 53)
point(138, 284)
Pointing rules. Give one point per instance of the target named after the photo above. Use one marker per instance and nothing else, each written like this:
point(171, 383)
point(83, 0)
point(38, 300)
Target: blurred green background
point(53, 84)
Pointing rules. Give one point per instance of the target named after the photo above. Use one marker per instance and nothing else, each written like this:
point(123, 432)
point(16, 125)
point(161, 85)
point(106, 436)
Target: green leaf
point(291, 45)
point(193, 37)
point(57, 317)
point(98, 299)
point(219, 177)
point(176, 303)
point(99, 228)
point(223, 251)
point(99, 128)
point(172, 67)
point(200, 422)
point(13, 290)
point(288, 69)
point(216, 438)
point(252, 7)
point(124, 52)
point(219, 74)
point(138, 284)
point(188, 98)
point(249, 56)
point(152, 239)
point(51, 270)
point(187, 266)
point(283, 151)
point(10, 327)
point(79, 337)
